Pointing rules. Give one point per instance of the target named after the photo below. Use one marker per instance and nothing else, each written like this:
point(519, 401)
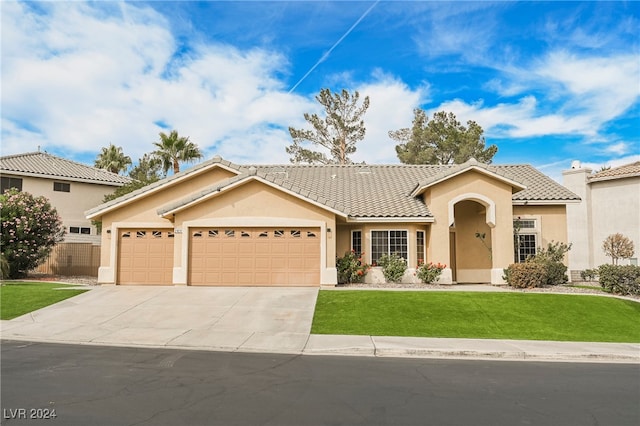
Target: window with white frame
point(525, 238)
point(388, 242)
point(420, 247)
point(356, 242)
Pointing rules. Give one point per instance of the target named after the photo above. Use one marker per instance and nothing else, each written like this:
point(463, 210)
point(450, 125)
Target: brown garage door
point(252, 256)
point(145, 256)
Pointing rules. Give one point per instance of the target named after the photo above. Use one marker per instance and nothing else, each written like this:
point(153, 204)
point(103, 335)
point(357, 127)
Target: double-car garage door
point(254, 256)
point(223, 256)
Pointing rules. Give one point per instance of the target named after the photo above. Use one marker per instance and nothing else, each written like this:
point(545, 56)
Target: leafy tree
point(441, 140)
point(338, 132)
point(174, 149)
point(145, 172)
point(30, 229)
point(617, 246)
point(112, 158)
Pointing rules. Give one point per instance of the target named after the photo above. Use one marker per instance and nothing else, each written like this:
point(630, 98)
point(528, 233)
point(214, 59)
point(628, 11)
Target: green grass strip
point(517, 316)
point(19, 298)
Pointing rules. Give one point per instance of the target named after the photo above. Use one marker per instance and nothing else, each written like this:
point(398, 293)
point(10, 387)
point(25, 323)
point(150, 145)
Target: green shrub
point(589, 274)
point(620, 279)
point(351, 268)
point(429, 272)
point(526, 275)
point(393, 267)
point(551, 258)
point(30, 229)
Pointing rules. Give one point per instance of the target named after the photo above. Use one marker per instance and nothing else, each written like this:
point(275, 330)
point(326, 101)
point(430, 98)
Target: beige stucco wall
point(142, 212)
point(615, 208)
point(70, 205)
point(249, 204)
point(488, 191)
point(257, 204)
point(343, 240)
point(606, 207)
point(553, 221)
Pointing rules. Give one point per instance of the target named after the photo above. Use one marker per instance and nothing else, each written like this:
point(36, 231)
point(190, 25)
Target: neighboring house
point(610, 204)
point(71, 188)
point(219, 223)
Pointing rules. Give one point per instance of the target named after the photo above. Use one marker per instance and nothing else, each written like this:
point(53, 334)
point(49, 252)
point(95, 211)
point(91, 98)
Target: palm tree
point(174, 149)
point(113, 159)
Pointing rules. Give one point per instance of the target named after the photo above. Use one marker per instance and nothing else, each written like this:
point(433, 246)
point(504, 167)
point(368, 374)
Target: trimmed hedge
point(526, 275)
point(620, 279)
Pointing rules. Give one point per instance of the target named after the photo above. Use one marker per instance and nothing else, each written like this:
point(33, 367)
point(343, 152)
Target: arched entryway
point(471, 242)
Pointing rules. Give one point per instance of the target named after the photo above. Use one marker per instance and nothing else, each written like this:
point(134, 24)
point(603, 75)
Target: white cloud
point(79, 77)
point(391, 108)
point(582, 94)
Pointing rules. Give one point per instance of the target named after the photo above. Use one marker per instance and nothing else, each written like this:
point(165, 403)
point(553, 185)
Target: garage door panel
point(260, 256)
point(145, 256)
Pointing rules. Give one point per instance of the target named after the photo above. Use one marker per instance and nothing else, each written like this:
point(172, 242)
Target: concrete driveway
point(222, 318)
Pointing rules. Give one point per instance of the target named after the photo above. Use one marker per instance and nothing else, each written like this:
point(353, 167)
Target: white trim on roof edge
point(544, 202)
point(481, 170)
point(242, 182)
point(390, 219)
point(96, 211)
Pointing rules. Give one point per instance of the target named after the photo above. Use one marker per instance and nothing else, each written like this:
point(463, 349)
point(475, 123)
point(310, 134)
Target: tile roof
point(359, 191)
point(42, 164)
point(628, 170)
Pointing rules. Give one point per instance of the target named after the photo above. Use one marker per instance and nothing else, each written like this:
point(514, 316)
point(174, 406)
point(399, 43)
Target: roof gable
point(471, 165)
point(163, 184)
point(44, 165)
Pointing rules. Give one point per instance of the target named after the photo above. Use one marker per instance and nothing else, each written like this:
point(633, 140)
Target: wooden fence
point(72, 259)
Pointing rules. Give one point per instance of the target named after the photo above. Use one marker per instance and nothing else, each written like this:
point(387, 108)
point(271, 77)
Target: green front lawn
point(19, 298)
point(477, 315)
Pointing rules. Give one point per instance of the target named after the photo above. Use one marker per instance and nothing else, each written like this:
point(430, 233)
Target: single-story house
point(71, 188)
point(220, 223)
point(610, 204)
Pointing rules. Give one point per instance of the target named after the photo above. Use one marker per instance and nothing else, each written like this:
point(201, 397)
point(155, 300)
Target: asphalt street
point(95, 385)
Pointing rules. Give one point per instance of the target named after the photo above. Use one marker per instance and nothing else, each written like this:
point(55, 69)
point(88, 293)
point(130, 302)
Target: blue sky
point(550, 82)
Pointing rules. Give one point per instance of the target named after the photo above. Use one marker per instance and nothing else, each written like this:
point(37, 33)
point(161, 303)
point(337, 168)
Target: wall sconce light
point(329, 233)
point(108, 231)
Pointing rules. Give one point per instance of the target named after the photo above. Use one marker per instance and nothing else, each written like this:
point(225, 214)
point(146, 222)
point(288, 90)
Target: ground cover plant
point(19, 298)
point(557, 317)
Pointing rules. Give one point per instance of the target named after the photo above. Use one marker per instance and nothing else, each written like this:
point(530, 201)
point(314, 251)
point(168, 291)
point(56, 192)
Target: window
point(156, 234)
point(295, 233)
point(79, 230)
point(388, 242)
point(213, 233)
point(420, 246)
point(141, 234)
point(526, 247)
point(244, 234)
point(264, 234)
point(311, 234)
point(525, 223)
point(526, 235)
point(11, 182)
point(356, 242)
point(61, 187)
point(279, 233)
point(230, 233)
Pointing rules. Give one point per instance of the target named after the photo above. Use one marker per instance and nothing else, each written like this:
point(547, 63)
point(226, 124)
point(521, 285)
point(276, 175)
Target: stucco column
point(502, 243)
point(439, 248)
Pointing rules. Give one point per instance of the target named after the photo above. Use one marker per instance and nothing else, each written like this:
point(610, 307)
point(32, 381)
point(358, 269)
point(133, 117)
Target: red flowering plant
point(351, 268)
point(429, 272)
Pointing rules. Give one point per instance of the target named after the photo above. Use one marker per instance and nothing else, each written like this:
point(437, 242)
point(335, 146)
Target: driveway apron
point(269, 319)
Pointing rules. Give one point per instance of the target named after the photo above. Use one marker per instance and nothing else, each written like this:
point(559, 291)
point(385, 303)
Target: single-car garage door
point(252, 256)
point(145, 256)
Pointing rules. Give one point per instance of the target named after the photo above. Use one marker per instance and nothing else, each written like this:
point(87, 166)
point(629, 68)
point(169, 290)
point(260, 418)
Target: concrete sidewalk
point(271, 320)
